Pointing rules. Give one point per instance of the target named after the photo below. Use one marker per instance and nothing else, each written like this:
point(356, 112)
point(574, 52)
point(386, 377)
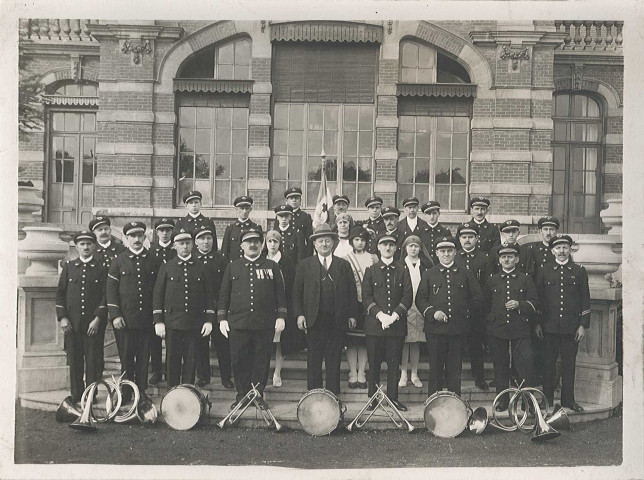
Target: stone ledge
point(262, 87)
point(259, 152)
point(124, 116)
point(260, 119)
point(511, 188)
point(122, 181)
point(480, 123)
point(381, 186)
point(386, 90)
point(386, 154)
point(109, 85)
point(259, 184)
point(165, 118)
point(614, 139)
point(387, 121)
point(35, 156)
point(125, 148)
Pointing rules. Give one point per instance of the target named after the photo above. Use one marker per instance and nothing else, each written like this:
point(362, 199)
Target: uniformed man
point(565, 298)
point(509, 231)
point(107, 249)
point(183, 309)
point(340, 205)
point(374, 224)
point(512, 301)
point(214, 265)
point(195, 219)
point(326, 306)
point(252, 308)
point(390, 216)
point(538, 254)
point(387, 295)
point(488, 233)
point(130, 283)
point(231, 245)
point(445, 296)
point(162, 251)
point(81, 309)
point(302, 221)
point(412, 224)
point(477, 262)
point(435, 231)
point(293, 244)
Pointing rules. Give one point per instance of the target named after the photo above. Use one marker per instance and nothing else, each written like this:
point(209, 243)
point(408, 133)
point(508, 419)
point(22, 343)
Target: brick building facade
point(528, 114)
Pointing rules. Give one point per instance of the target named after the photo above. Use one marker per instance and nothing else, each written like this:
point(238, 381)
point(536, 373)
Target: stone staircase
point(283, 401)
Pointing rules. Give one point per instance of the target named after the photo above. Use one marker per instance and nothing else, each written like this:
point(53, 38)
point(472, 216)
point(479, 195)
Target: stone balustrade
point(57, 29)
point(591, 35)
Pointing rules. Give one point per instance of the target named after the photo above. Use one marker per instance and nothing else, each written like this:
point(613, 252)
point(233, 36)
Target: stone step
point(286, 411)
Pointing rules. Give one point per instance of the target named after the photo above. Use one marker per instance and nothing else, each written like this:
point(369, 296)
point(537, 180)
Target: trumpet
point(270, 420)
point(384, 403)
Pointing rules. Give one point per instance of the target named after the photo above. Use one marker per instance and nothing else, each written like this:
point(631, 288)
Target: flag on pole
point(322, 212)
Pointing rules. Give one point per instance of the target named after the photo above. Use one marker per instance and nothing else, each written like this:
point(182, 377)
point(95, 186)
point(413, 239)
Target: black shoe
point(228, 384)
point(155, 378)
point(201, 383)
point(353, 385)
point(400, 406)
point(575, 407)
point(262, 403)
point(372, 405)
point(362, 385)
point(482, 385)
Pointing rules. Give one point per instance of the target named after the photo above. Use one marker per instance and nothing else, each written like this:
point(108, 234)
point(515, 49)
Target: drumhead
point(318, 412)
point(446, 415)
point(181, 408)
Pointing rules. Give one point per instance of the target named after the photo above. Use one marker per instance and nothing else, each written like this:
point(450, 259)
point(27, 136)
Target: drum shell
point(446, 414)
point(170, 419)
point(319, 412)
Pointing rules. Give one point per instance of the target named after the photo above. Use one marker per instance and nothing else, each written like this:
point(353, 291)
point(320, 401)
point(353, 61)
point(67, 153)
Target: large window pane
point(406, 170)
point(295, 170)
point(202, 141)
point(202, 166)
point(349, 169)
point(422, 170)
point(364, 171)
point(280, 167)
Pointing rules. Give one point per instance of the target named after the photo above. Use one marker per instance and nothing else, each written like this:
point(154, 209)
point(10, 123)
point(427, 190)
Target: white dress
point(343, 248)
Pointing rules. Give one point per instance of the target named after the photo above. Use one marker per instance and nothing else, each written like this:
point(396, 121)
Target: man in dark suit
point(387, 295)
point(195, 219)
point(434, 229)
point(565, 298)
point(162, 251)
point(488, 233)
point(81, 309)
point(130, 283)
point(326, 306)
point(446, 295)
point(231, 244)
point(412, 224)
point(252, 307)
point(302, 221)
point(184, 309)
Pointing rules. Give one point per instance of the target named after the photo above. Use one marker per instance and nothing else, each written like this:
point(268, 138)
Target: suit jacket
point(192, 224)
point(565, 297)
point(182, 298)
point(509, 324)
point(454, 291)
point(130, 284)
point(388, 289)
point(306, 291)
point(231, 244)
point(252, 294)
point(87, 279)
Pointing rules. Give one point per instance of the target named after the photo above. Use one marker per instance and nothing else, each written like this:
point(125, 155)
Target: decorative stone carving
point(390, 24)
point(577, 76)
point(43, 248)
point(515, 55)
point(612, 216)
point(136, 49)
point(30, 204)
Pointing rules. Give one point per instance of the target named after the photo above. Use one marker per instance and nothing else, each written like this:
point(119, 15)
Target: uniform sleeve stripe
point(112, 305)
point(372, 304)
point(585, 312)
point(157, 311)
point(210, 311)
point(402, 306)
point(222, 312)
point(281, 310)
point(530, 303)
point(112, 277)
point(59, 306)
point(102, 306)
point(425, 311)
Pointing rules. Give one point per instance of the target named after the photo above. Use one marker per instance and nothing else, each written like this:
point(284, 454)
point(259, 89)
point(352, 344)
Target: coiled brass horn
point(559, 419)
point(67, 411)
point(478, 421)
point(85, 421)
point(146, 412)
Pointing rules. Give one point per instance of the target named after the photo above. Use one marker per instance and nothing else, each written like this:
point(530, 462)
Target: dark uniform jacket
point(565, 297)
point(388, 289)
point(306, 291)
point(214, 264)
point(183, 299)
point(162, 254)
point(130, 284)
point(420, 231)
point(303, 223)
point(501, 288)
point(293, 244)
point(376, 226)
point(191, 224)
point(81, 293)
point(400, 238)
point(431, 235)
point(231, 244)
point(489, 235)
point(107, 255)
point(477, 262)
point(537, 256)
point(252, 294)
point(454, 291)
point(494, 258)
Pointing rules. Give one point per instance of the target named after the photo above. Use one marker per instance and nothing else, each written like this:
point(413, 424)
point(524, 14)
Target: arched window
point(71, 121)
point(420, 63)
point(227, 61)
point(577, 160)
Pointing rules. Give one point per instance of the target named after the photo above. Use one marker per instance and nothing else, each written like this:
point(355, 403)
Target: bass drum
point(446, 414)
point(183, 406)
point(319, 412)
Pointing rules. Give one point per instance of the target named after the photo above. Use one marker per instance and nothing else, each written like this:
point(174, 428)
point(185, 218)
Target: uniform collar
point(88, 260)
point(166, 245)
point(434, 226)
point(384, 263)
point(106, 245)
point(277, 257)
point(468, 252)
point(512, 273)
point(558, 263)
point(451, 267)
point(285, 229)
point(374, 220)
point(479, 223)
point(185, 261)
point(194, 216)
point(250, 261)
point(242, 222)
point(133, 254)
point(413, 222)
point(201, 254)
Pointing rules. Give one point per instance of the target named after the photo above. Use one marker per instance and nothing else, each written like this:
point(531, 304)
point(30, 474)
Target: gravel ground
point(39, 439)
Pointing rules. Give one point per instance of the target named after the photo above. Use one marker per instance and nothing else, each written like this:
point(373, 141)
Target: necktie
point(324, 264)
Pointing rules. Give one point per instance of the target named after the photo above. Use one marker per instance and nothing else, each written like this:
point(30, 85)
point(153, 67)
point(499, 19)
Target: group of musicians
point(378, 288)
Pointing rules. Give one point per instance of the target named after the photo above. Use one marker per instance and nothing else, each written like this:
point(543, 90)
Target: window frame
point(419, 45)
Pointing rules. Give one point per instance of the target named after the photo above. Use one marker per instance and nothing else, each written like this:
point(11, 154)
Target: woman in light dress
point(416, 259)
point(355, 339)
point(343, 223)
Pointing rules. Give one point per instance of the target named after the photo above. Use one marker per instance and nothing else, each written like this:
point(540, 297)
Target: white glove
point(159, 329)
point(224, 328)
point(206, 329)
point(280, 324)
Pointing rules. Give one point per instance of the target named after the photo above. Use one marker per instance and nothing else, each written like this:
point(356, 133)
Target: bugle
point(384, 403)
point(236, 413)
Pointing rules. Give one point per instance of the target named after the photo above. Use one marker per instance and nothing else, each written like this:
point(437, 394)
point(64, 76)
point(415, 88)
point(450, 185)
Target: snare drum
point(446, 414)
point(183, 406)
point(319, 412)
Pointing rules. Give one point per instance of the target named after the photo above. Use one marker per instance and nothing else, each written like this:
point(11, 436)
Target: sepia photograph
point(326, 244)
